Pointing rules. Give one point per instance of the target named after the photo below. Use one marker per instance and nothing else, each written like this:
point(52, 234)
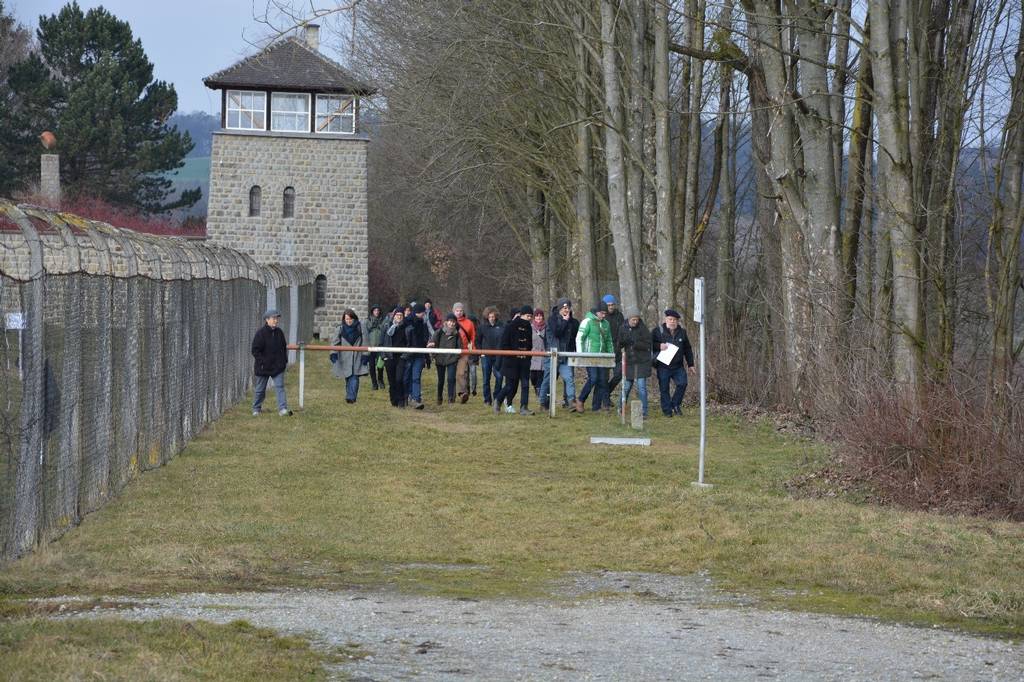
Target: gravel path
point(655, 628)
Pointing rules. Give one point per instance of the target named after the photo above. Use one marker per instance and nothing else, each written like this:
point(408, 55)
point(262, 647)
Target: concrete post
point(49, 178)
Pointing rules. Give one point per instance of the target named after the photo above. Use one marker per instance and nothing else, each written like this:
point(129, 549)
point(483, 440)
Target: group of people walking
point(604, 329)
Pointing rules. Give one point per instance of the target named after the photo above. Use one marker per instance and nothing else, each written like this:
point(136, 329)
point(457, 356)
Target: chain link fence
point(116, 348)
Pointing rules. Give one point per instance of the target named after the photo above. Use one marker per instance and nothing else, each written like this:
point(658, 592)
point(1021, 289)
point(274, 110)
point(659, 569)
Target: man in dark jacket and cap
point(664, 337)
point(270, 356)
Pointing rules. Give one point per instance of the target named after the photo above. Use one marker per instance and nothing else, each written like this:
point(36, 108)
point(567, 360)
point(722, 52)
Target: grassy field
point(106, 649)
point(366, 494)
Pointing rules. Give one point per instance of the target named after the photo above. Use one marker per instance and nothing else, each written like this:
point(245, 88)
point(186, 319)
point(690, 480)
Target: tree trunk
point(663, 155)
point(858, 168)
point(888, 64)
point(584, 179)
point(1003, 269)
point(618, 219)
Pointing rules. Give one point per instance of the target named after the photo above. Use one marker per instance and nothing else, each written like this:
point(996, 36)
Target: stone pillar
point(49, 178)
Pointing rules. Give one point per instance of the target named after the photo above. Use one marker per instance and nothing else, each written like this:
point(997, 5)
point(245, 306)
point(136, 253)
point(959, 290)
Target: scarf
point(350, 332)
point(538, 326)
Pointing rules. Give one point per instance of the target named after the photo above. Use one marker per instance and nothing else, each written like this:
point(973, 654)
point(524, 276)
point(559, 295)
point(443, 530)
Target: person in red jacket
point(467, 337)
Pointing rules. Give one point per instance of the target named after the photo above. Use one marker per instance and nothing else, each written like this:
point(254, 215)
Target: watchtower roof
point(289, 64)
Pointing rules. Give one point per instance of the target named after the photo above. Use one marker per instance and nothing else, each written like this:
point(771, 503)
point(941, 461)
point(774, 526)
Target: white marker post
point(698, 317)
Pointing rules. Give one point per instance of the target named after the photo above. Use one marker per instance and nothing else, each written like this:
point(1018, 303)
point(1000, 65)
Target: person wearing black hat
point(671, 333)
point(515, 369)
point(270, 355)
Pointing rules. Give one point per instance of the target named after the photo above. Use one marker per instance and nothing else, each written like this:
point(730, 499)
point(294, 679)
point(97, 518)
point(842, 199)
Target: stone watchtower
point(288, 169)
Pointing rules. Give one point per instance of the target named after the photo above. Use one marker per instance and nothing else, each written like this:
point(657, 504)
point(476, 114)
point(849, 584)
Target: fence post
point(26, 506)
point(552, 381)
point(302, 375)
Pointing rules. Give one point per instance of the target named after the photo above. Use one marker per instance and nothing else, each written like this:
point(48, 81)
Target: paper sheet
point(666, 355)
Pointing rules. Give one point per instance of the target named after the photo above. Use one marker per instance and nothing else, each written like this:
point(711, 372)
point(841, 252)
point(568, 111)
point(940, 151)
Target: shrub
point(948, 451)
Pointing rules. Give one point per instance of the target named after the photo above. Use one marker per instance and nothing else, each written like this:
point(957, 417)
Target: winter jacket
point(540, 343)
point(350, 363)
point(562, 333)
point(489, 335)
point(270, 351)
point(635, 343)
point(615, 323)
point(518, 335)
point(661, 334)
point(442, 339)
point(468, 332)
point(395, 336)
point(375, 328)
point(594, 336)
point(417, 332)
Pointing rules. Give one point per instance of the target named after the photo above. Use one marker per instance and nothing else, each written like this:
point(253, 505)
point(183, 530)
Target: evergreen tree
point(92, 84)
point(15, 141)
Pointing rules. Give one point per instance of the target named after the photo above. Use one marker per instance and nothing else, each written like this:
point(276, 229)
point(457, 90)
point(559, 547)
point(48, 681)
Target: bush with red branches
point(158, 224)
point(946, 451)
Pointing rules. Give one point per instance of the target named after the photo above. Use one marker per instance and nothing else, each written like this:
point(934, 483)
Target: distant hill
point(200, 126)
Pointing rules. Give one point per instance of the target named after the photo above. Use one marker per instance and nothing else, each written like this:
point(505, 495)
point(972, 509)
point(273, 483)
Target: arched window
point(288, 207)
point(254, 201)
point(320, 292)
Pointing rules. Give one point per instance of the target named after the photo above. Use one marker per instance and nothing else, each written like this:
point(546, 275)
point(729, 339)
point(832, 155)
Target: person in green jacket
point(595, 336)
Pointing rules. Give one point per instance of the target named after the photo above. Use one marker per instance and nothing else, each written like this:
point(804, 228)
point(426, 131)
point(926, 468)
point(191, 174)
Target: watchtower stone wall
point(328, 232)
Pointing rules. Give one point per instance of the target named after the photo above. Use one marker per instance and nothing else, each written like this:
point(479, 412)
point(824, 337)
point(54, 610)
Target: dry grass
point(350, 494)
point(166, 650)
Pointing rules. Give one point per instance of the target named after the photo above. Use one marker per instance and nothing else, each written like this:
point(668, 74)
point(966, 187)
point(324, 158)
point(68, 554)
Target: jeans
point(472, 375)
point(597, 380)
point(487, 367)
point(670, 403)
point(413, 374)
point(446, 376)
point(641, 390)
point(352, 387)
point(261, 392)
point(549, 382)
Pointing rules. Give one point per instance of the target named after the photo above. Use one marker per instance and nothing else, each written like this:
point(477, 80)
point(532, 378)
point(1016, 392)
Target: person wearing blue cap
point(616, 322)
point(270, 356)
point(667, 335)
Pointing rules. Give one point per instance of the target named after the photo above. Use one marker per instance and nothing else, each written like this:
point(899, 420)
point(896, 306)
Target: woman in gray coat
point(350, 365)
point(634, 343)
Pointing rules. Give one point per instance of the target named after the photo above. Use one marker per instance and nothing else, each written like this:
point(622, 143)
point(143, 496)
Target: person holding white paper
point(668, 339)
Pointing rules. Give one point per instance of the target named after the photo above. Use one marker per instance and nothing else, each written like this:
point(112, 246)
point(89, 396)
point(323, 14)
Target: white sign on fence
point(591, 362)
point(14, 321)
point(698, 300)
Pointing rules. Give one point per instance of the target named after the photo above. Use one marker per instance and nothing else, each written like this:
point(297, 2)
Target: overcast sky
point(186, 40)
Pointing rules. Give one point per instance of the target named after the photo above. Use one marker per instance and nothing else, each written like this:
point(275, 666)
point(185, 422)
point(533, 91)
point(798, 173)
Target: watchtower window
point(320, 292)
point(254, 200)
point(288, 205)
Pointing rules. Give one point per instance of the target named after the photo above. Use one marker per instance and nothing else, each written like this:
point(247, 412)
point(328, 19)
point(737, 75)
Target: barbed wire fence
point(117, 348)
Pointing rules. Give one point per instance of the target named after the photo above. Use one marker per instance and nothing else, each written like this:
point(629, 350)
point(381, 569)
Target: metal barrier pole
point(302, 375)
point(552, 382)
point(622, 390)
